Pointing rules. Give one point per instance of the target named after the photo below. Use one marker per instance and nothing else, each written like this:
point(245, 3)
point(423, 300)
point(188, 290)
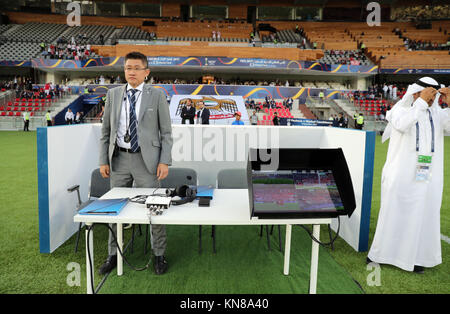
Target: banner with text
point(221, 108)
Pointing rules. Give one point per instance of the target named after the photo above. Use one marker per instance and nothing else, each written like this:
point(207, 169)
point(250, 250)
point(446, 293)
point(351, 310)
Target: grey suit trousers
point(129, 168)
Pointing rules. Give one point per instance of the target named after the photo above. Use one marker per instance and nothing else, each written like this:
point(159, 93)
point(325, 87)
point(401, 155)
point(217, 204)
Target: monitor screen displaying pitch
point(295, 191)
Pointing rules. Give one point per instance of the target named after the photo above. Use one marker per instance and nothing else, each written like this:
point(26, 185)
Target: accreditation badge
point(423, 168)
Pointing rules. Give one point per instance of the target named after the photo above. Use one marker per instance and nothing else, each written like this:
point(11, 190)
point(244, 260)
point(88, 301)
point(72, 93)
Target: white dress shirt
point(199, 116)
point(124, 120)
point(68, 116)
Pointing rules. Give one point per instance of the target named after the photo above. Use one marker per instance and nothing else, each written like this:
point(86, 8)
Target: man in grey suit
point(136, 144)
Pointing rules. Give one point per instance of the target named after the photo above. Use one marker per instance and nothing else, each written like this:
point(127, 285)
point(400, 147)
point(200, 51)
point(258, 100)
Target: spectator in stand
point(335, 121)
point(47, 88)
point(69, 116)
point(71, 51)
point(331, 118)
point(254, 118)
point(188, 112)
point(203, 114)
point(275, 120)
point(394, 92)
point(340, 120)
point(78, 118)
point(238, 120)
point(382, 112)
point(345, 122)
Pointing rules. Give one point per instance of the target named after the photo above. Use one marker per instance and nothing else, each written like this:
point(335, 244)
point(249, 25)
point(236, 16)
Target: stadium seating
point(21, 105)
point(203, 29)
point(131, 32)
point(283, 36)
point(329, 35)
point(199, 50)
point(330, 57)
point(35, 32)
point(18, 51)
point(195, 38)
point(92, 32)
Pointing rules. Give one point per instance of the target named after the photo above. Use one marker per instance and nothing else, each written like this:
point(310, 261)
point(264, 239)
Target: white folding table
point(228, 207)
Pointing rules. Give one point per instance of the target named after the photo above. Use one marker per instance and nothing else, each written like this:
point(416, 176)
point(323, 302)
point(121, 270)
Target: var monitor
point(303, 183)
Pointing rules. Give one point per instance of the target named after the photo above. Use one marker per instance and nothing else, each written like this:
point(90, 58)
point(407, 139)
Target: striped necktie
point(133, 121)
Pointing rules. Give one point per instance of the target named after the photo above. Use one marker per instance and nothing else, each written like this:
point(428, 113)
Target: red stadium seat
point(18, 114)
point(16, 108)
point(10, 114)
point(30, 108)
point(22, 108)
point(3, 114)
point(8, 108)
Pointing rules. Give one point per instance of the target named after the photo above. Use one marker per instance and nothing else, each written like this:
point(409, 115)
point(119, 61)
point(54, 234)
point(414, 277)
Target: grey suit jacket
point(154, 127)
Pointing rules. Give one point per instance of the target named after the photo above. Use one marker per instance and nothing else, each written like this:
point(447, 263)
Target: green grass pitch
point(24, 270)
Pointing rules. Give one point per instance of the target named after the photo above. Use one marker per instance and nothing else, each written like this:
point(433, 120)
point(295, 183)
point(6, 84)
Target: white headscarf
point(408, 100)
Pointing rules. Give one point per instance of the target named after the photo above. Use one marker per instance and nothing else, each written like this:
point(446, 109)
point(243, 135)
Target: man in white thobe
point(408, 228)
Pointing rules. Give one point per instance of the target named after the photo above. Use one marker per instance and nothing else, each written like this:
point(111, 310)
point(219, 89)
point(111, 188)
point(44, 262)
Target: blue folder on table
point(206, 191)
point(111, 207)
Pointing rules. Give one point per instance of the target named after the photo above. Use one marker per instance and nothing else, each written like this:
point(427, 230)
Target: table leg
point(287, 249)
point(314, 260)
point(119, 246)
point(89, 257)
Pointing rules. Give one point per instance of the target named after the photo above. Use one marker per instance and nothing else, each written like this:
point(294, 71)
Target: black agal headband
point(425, 85)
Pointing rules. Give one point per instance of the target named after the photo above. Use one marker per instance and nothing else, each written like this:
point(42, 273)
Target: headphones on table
point(185, 192)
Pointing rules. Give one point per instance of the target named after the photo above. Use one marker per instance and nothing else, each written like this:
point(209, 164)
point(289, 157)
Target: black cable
point(118, 248)
point(321, 243)
point(121, 254)
point(89, 256)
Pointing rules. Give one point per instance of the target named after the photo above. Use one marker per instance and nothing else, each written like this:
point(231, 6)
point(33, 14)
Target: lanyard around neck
point(432, 133)
point(127, 126)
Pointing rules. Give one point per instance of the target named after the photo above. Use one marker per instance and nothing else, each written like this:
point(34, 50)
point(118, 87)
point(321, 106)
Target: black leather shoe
point(160, 265)
point(418, 269)
point(368, 261)
point(110, 264)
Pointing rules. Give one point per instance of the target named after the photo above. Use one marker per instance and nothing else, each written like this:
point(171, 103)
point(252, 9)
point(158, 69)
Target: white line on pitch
point(445, 238)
